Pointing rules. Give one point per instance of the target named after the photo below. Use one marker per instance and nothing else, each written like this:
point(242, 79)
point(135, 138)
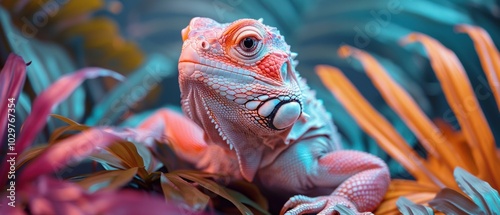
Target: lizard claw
point(323, 205)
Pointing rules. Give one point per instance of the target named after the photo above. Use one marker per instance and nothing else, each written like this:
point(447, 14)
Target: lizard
point(248, 114)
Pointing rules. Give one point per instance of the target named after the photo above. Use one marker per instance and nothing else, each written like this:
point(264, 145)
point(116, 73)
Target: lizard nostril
point(284, 72)
point(204, 45)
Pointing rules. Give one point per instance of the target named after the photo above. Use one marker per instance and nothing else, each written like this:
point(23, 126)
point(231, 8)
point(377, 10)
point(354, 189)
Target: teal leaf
point(243, 199)
point(107, 180)
point(128, 93)
point(49, 62)
point(407, 207)
point(344, 210)
point(450, 201)
point(480, 191)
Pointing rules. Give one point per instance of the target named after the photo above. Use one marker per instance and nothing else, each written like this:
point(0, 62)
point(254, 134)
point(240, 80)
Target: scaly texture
point(239, 85)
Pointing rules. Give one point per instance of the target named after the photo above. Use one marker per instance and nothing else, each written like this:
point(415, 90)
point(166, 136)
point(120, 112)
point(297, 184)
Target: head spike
point(261, 20)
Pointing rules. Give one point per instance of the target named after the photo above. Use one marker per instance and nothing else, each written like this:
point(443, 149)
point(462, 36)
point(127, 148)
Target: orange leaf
point(457, 141)
point(400, 101)
point(463, 102)
point(488, 55)
point(375, 124)
point(400, 187)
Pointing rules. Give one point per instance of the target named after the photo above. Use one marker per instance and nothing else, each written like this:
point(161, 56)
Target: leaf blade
point(108, 179)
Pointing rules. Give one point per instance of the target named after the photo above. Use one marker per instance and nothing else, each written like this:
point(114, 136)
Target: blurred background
point(142, 40)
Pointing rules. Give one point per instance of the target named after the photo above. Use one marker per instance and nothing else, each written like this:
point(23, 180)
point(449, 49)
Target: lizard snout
point(185, 33)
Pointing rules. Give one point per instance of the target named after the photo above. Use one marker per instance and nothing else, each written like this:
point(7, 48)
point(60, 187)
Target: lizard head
point(239, 83)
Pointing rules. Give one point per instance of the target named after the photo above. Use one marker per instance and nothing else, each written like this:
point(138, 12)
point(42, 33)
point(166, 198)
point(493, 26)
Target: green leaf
point(166, 155)
point(150, 163)
point(108, 180)
point(174, 187)
point(214, 187)
point(243, 199)
point(109, 161)
point(250, 190)
point(170, 191)
point(127, 153)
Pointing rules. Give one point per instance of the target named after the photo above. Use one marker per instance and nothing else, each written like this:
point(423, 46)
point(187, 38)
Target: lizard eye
point(249, 46)
point(245, 42)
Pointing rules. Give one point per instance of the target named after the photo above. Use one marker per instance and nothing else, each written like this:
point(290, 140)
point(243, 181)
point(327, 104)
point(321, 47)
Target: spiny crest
point(277, 40)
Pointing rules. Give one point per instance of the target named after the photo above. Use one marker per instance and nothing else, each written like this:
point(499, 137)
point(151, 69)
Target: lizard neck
point(222, 126)
point(221, 121)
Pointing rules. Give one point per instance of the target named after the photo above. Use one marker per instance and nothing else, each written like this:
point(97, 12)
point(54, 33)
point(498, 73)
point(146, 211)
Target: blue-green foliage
point(407, 207)
point(49, 62)
point(110, 110)
point(481, 197)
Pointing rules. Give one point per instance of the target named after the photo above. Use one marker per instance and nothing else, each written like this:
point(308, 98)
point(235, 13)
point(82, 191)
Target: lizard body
point(253, 117)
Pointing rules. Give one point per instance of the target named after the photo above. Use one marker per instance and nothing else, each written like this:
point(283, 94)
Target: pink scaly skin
point(251, 116)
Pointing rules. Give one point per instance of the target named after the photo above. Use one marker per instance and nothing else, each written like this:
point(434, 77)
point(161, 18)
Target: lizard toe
point(322, 205)
point(294, 201)
point(307, 208)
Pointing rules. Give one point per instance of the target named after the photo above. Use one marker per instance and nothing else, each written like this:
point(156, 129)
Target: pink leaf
point(132, 202)
point(72, 149)
point(49, 99)
point(12, 79)
point(49, 196)
point(11, 82)
point(79, 147)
